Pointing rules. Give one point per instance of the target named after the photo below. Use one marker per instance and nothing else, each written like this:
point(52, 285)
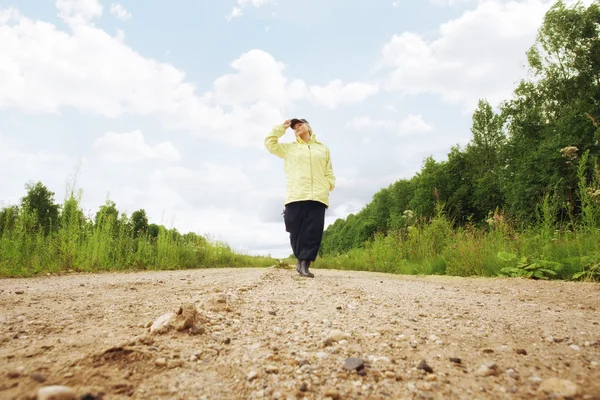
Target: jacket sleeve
point(329, 171)
point(272, 142)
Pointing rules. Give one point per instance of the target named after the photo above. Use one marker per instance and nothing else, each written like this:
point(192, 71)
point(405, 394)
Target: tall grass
point(551, 248)
point(80, 244)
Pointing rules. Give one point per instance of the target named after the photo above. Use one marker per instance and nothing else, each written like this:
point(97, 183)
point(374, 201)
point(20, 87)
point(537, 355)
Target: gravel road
point(269, 334)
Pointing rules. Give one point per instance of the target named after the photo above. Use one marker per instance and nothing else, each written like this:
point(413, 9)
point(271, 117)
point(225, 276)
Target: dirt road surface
point(267, 333)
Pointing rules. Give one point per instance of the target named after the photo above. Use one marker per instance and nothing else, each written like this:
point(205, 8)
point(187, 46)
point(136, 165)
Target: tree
point(107, 212)
point(39, 202)
point(140, 222)
point(8, 218)
point(153, 230)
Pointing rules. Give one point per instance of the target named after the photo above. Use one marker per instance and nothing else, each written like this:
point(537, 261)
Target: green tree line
point(40, 236)
point(534, 161)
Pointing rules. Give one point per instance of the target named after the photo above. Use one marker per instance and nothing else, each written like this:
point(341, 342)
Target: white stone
point(562, 387)
point(162, 323)
point(56, 393)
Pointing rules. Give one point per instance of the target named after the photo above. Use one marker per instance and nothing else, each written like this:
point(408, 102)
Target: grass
point(80, 244)
point(550, 249)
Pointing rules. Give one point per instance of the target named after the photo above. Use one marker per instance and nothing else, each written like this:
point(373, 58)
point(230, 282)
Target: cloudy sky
point(164, 106)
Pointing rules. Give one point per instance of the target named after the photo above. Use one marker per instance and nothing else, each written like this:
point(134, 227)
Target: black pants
point(304, 220)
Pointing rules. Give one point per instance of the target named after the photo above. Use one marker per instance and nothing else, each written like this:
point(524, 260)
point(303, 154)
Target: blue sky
point(165, 107)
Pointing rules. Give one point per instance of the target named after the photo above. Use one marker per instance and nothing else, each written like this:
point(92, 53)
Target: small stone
point(575, 347)
point(162, 323)
point(161, 362)
point(227, 341)
point(303, 387)
point(277, 330)
point(13, 374)
point(455, 360)
point(175, 364)
point(36, 376)
point(487, 370)
point(338, 308)
point(19, 291)
point(56, 393)
point(353, 363)
point(322, 355)
point(336, 335)
point(487, 351)
point(522, 352)
point(272, 313)
point(389, 374)
point(425, 367)
point(271, 369)
point(68, 375)
point(511, 373)
point(431, 377)
point(332, 393)
point(562, 387)
point(433, 338)
point(252, 376)
point(535, 379)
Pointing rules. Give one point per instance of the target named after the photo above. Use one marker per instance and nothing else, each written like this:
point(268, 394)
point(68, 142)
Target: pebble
point(332, 393)
point(36, 376)
point(162, 323)
point(56, 393)
point(336, 335)
point(455, 360)
point(13, 374)
point(522, 352)
point(160, 362)
point(425, 367)
point(19, 291)
point(271, 369)
point(353, 363)
point(252, 376)
point(562, 387)
point(511, 373)
point(487, 369)
point(575, 347)
point(322, 355)
point(389, 374)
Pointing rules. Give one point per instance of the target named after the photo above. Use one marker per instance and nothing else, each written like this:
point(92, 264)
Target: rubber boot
point(304, 264)
point(299, 267)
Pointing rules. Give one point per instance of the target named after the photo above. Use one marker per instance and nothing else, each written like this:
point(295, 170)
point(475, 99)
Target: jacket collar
point(312, 140)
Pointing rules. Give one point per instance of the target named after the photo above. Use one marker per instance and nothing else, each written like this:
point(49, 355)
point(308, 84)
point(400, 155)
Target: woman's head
point(301, 127)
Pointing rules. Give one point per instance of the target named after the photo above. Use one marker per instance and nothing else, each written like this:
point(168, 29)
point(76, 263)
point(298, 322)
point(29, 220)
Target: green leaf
point(505, 256)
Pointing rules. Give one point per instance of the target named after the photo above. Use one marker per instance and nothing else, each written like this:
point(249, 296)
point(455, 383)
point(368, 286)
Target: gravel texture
point(269, 334)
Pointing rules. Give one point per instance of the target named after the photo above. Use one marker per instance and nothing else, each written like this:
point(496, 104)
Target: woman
point(309, 179)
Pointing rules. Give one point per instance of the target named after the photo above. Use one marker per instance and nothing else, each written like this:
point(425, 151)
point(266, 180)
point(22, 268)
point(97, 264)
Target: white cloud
point(132, 147)
point(118, 11)
point(477, 55)
point(46, 70)
point(337, 93)
point(258, 77)
point(76, 12)
point(236, 12)
point(255, 3)
point(413, 123)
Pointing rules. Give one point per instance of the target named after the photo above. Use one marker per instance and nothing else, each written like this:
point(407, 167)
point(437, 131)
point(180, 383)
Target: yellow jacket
point(307, 167)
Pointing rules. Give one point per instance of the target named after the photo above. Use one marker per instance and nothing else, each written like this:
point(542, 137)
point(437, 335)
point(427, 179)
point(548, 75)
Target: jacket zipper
point(312, 190)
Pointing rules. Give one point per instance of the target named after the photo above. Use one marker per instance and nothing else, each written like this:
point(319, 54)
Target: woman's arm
point(272, 140)
point(329, 171)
